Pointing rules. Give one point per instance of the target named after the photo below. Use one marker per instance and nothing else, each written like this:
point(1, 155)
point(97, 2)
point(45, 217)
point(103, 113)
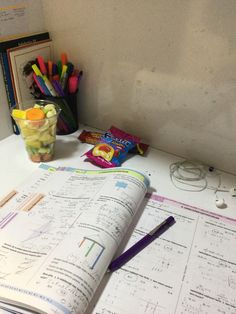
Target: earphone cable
point(190, 172)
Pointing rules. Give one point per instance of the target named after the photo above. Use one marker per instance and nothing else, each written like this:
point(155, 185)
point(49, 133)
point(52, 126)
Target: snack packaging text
point(112, 148)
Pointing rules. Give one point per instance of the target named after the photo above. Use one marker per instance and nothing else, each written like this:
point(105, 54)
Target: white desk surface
point(15, 167)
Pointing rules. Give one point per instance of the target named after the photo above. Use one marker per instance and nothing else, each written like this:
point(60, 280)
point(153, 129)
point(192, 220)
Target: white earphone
point(193, 177)
point(220, 203)
point(232, 191)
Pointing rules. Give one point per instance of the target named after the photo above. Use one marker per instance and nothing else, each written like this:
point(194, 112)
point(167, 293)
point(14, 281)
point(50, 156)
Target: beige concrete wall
point(162, 69)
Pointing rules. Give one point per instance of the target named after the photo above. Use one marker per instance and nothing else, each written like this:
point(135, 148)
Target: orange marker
point(64, 59)
point(50, 69)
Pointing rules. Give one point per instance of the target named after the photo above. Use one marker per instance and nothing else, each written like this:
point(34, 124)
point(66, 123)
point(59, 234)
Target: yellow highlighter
point(64, 76)
point(36, 70)
point(64, 70)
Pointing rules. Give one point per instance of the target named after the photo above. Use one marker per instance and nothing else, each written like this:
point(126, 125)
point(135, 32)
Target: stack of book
point(16, 56)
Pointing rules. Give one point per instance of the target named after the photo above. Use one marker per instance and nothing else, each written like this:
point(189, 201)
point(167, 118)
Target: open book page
point(38, 180)
point(54, 255)
point(26, 195)
point(191, 268)
point(7, 308)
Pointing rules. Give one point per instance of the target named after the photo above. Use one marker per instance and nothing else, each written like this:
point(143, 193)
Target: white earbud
point(232, 191)
point(220, 203)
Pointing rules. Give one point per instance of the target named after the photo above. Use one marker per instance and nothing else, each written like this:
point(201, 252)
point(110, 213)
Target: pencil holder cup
point(67, 120)
point(39, 134)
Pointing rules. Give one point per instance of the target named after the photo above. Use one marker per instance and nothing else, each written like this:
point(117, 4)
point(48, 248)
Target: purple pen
point(58, 88)
point(141, 244)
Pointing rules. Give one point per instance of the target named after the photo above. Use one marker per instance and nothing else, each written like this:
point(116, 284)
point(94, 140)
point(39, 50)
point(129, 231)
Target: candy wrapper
point(112, 148)
point(92, 137)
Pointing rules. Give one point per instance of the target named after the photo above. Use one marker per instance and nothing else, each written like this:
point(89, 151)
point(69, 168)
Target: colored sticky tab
point(64, 59)
point(36, 70)
point(42, 66)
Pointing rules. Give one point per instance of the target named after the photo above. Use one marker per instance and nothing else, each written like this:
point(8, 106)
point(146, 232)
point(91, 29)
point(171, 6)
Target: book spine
point(7, 80)
point(8, 87)
point(23, 41)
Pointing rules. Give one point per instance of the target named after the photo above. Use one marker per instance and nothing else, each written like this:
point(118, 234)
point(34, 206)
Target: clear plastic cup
point(39, 135)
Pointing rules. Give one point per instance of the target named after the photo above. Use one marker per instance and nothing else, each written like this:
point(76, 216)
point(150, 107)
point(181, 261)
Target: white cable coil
point(194, 175)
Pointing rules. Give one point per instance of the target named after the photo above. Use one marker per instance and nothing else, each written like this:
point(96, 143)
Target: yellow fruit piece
point(33, 137)
point(44, 137)
point(53, 130)
point(44, 126)
point(33, 144)
point(53, 120)
point(50, 140)
point(27, 132)
point(48, 107)
point(51, 113)
point(18, 114)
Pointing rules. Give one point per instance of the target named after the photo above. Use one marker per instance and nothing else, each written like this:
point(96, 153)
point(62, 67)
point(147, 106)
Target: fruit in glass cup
point(38, 129)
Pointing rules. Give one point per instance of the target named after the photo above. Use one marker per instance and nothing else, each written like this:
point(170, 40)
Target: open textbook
point(58, 233)
point(61, 229)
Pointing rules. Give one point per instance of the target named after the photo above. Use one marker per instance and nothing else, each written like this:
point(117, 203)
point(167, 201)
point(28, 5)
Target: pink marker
point(73, 84)
point(42, 66)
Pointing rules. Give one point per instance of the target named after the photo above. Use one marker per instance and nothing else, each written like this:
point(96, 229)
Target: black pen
point(141, 244)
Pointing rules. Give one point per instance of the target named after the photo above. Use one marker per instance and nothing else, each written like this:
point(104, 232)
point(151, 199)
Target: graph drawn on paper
point(92, 251)
point(38, 232)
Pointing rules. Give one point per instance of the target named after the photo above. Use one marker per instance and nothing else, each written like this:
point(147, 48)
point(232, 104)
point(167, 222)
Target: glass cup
point(39, 135)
